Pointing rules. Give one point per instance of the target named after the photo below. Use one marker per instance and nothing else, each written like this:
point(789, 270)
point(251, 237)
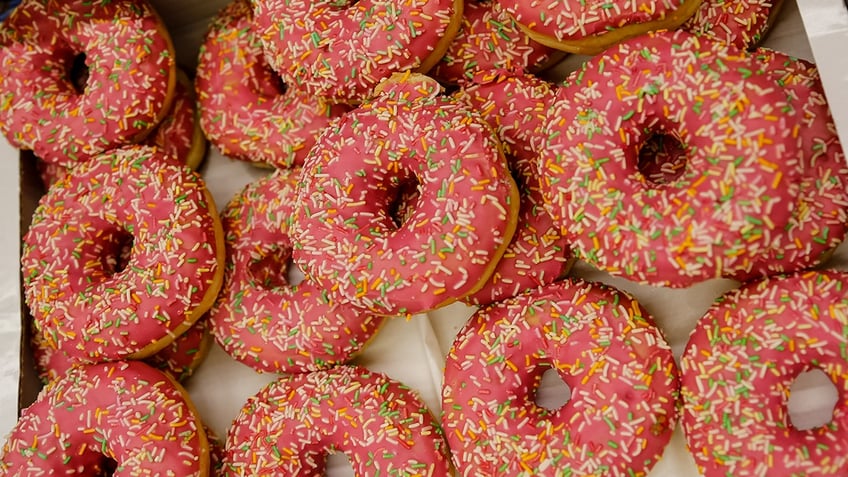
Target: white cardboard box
point(412, 350)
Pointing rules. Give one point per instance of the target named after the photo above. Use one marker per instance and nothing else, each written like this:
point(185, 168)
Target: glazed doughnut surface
point(713, 210)
point(245, 109)
point(590, 26)
point(342, 50)
point(516, 106)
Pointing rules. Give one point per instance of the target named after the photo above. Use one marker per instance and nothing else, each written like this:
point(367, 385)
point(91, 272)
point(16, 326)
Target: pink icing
point(344, 233)
point(175, 135)
point(259, 318)
point(179, 134)
point(576, 20)
point(131, 75)
point(616, 363)
point(179, 359)
point(245, 110)
point(818, 220)
point(742, 23)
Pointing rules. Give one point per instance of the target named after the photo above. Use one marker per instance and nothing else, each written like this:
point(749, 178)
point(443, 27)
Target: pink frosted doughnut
point(290, 426)
point(589, 27)
point(131, 74)
point(714, 213)
point(178, 135)
point(742, 23)
point(490, 39)
point(516, 107)
point(343, 50)
point(245, 111)
point(125, 415)
point(83, 304)
point(739, 365)
point(465, 215)
point(259, 318)
point(179, 359)
point(616, 363)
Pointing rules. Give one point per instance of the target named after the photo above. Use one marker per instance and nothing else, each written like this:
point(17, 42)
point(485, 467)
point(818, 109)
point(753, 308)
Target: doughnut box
point(414, 349)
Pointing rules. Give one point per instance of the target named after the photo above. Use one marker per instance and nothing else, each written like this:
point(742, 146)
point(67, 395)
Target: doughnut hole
point(105, 252)
point(405, 201)
point(812, 399)
point(552, 393)
point(662, 158)
point(274, 268)
point(119, 252)
point(267, 83)
point(107, 467)
point(78, 73)
point(338, 465)
point(342, 4)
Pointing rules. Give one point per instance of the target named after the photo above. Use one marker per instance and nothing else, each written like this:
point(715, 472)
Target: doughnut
point(260, 318)
point(742, 23)
point(590, 27)
point(179, 359)
point(178, 135)
point(490, 39)
point(123, 416)
point(516, 106)
point(245, 110)
point(739, 364)
point(343, 50)
point(620, 371)
point(291, 425)
point(124, 56)
point(465, 215)
point(714, 210)
point(83, 302)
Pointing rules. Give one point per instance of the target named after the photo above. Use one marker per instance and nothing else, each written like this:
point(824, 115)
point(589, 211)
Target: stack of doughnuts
point(413, 158)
